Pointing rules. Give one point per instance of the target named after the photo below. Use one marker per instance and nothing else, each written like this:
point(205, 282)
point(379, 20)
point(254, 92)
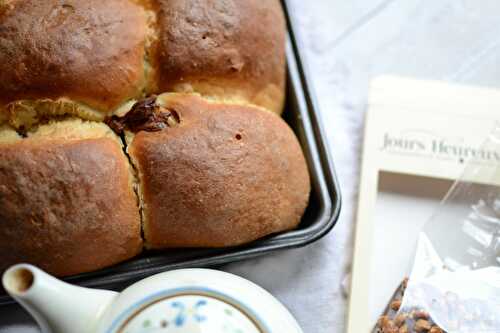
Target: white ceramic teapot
point(180, 301)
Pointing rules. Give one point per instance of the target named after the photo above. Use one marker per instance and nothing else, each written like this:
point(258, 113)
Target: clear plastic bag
point(455, 277)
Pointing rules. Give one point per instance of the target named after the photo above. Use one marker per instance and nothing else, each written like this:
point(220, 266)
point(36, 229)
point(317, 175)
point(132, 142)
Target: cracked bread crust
point(89, 51)
point(67, 203)
point(224, 176)
point(228, 50)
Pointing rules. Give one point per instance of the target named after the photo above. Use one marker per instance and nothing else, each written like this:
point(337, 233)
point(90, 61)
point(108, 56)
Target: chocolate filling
point(145, 115)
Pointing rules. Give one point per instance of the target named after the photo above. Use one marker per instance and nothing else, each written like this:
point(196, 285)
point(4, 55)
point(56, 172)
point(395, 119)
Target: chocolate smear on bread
point(145, 115)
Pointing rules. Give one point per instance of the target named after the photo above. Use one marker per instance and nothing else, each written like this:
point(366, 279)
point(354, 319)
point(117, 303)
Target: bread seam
point(27, 114)
point(57, 112)
point(136, 182)
point(151, 38)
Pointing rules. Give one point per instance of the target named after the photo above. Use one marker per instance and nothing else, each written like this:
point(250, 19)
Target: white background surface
point(346, 43)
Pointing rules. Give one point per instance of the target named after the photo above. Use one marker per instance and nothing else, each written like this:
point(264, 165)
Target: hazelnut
point(404, 329)
point(387, 325)
point(422, 325)
point(400, 319)
point(383, 320)
point(390, 329)
point(395, 305)
point(435, 329)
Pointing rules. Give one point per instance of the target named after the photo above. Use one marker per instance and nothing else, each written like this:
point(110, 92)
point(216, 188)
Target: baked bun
point(229, 50)
point(90, 52)
point(67, 201)
point(217, 175)
point(161, 113)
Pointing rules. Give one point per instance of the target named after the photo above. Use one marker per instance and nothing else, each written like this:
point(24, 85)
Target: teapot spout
point(58, 307)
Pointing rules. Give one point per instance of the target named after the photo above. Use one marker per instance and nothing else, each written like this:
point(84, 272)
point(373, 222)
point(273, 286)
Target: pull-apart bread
point(142, 124)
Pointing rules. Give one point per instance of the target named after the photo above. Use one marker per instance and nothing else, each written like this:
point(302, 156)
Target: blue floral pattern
point(186, 314)
point(188, 309)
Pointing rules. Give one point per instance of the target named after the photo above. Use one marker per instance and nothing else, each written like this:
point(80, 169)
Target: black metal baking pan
point(321, 215)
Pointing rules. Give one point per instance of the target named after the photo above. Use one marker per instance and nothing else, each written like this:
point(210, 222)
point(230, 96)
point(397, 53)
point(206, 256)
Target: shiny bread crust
point(89, 51)
point(229, 50)
point(67, 206)
point(224, 176)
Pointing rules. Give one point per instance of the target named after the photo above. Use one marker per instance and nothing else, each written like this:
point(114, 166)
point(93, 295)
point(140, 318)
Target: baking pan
point(321, 215)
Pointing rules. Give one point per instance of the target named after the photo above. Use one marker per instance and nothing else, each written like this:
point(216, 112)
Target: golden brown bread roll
point(212, 166)
point(218, 175)
point(87, 51)
point(66, 199)
point(230, 50)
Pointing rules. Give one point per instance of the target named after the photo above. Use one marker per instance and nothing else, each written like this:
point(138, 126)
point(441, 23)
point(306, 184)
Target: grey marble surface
point(347, 42)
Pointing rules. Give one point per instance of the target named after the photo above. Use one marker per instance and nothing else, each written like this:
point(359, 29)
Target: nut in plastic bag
point(456, 271)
